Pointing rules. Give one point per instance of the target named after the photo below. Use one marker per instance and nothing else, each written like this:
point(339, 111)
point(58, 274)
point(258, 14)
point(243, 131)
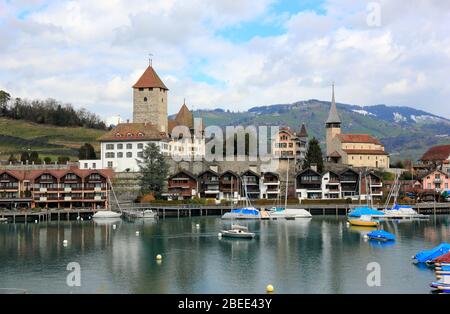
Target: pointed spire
point(150, 79)
point(303, 132)
point(333, 116)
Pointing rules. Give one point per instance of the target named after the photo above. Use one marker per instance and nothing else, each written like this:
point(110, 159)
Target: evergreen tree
point(34, 157)
point(313, 155)
point(24, 157)
point(4, 99)
point(47, 160)
point(154, 170)
point(86, 151)
point(63, 159)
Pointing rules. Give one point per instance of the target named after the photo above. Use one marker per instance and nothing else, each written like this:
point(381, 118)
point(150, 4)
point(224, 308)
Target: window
point(110, 164)
point(150, 88)
point(429, 185)
point(85, 165)
point(109, 155)
point(140, 146)
point(129, 154)
point(129, 146)
point(119, 146)
point(145, 99)
point(109, 146)
point(140, 154)
point(141, 89)
point(94, 165)
point(120, 155)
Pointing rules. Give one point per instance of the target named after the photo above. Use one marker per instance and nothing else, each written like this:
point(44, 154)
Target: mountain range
point(406, 132)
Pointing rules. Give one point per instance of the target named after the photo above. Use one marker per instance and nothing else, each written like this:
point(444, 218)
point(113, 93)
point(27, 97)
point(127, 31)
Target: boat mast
point(287, 180)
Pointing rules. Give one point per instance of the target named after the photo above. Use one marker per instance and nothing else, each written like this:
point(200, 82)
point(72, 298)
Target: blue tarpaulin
point(381, 235)
point(358, 211)
point(433, 253)
point(248, 211)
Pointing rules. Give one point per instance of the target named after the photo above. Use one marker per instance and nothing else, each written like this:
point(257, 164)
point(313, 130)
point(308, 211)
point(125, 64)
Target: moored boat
point(288, 213)
point(237, 231)
point(106, 214)
point(428, 256)
point(243, 213)
point(363, 221)
point(365, 211)
point(381, 235)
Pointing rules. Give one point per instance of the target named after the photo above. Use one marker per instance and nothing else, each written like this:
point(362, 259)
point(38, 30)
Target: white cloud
point(89, 53)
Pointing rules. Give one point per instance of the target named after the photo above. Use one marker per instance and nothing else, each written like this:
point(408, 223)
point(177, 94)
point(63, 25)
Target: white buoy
point(269, 288)
point(159, 257)
point(35, 221)
point(197, 226)
point(366, 236)
point(348, 224)
point(65, 242)
point(90, 217)
point(82, 219)
point(78, 217)
point(114, 227)
point(219, 235)
point(137, 233)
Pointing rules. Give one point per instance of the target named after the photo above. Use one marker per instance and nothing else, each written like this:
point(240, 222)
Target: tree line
point(49, 111)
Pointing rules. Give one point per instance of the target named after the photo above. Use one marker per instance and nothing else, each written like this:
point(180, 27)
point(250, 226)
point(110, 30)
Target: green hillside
point(18, 135)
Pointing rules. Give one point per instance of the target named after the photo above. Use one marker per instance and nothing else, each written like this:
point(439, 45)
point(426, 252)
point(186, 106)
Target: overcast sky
point(228, 54)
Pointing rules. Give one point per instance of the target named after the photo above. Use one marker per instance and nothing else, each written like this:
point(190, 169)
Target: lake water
point(320, 255)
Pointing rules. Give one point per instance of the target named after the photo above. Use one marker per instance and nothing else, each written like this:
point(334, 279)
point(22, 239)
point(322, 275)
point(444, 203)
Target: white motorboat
point(288, 213)
point(106, 214)
point(148, 213)
point(237, 231)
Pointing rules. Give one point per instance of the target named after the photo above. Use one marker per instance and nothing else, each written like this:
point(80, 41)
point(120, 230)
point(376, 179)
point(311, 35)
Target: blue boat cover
point(445, 268)
point(248, 211)
point(381, 234)
point(431, 254)
point(397, 207)
point(358, 211)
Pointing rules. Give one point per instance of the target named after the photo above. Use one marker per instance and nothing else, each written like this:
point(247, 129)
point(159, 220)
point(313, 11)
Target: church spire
point(333, 116)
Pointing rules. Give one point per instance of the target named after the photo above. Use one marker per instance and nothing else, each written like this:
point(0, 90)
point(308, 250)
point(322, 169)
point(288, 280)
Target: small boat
point(443, 259)
point(428, 256)
point(148, 213)
point(403, 212)
point(3, 220)
point(365, 211)
point(243, 213)
point(381, 235)
point(106, 214)
point(288, 213)
point(364, 221)
point(237, 231)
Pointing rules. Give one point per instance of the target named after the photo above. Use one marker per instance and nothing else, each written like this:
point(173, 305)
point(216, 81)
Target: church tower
point(150, 100)
point(333, 125)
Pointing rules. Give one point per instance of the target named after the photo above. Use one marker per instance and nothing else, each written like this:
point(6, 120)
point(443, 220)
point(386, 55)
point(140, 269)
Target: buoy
point(366, 236)
point(269, 288)
point(78, 217)
point(158, 257)
point(65, 242)
point(197, 226)
point(82, 219)
point(137, 233)
point(35, 221)
point(90, 217)
point(114, 227)
point(219, 235)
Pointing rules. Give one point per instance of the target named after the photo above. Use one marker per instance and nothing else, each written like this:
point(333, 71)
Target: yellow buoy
point(158, 257)
point(269, 288)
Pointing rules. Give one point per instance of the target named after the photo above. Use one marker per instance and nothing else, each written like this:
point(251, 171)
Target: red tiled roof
point(133, 132)
point(365, 152)
point(358, 138)
point(335, 154)
point(33, 174)
point(437, 153)
point(149, 80)
point(184, 117)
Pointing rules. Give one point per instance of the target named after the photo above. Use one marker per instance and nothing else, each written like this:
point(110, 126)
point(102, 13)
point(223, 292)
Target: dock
point(200, 210)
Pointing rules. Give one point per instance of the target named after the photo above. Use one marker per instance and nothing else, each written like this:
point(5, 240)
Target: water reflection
point(319, 255)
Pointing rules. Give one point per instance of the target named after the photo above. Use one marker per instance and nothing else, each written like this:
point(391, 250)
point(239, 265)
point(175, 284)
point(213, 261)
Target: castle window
point(109, 155)
point(119, 146)
point(129, 146)
point(129, 154)
point(110, 164)
point(150, 88)
point(140, 146)
point(120, 155)
point(141, 89)
point(109, 146)
point(145, 99)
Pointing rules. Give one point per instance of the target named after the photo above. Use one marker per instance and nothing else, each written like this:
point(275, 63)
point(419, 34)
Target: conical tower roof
point(303, 132)
point(333, 116)
point(185, 117)
point(150, 79)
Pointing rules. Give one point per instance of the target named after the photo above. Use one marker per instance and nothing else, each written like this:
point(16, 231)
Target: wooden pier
point(198, 210)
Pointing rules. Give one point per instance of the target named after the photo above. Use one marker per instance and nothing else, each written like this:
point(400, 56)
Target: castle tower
point(333, 125)
point(150, 100)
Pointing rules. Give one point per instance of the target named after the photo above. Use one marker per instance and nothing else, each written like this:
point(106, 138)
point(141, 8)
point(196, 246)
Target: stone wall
point(154, 110)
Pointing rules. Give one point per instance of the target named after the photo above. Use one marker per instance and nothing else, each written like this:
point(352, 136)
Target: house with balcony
point(371, 187)
point(251, 184)
point(270, 185)
point(331, 185)
point(52, 189)
point(230, 185)
point(308, 184)
point(182, 185)
point(436, 180)
point(209, 184)
point(349, 179)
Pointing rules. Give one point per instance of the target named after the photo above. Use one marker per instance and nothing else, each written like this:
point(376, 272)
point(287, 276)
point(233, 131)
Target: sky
point(228, 54)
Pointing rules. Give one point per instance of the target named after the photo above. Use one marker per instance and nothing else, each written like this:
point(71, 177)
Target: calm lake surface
point(320, 255)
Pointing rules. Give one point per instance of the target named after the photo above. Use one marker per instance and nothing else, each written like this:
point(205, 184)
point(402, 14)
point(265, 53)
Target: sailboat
point(106, 214)
point(247, 212)
point(399, 211)
point(288, 213)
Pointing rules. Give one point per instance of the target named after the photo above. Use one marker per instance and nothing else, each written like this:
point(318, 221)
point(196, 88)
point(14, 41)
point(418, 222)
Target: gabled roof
point(437, 153)
point(33, 174)
point(271, 173)
point(365, 152)
point(348, 169)
point(230, 172)
point(250, 172)
point(358, 138)
point(150, 79)
point(183, 171)
point(333, 116)
point(335, 154)
point(133, 131)
point(208, 171)
point(434, 171)
point(308, 170)
point(184, 117)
